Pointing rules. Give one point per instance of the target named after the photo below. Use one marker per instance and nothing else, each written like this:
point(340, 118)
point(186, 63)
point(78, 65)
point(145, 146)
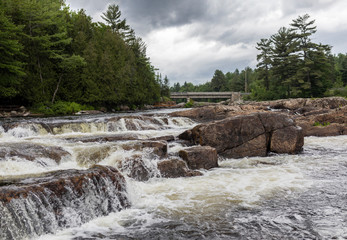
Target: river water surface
point(300, 196)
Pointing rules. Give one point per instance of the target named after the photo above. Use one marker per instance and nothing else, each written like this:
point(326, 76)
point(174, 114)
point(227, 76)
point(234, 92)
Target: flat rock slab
point(31, 151)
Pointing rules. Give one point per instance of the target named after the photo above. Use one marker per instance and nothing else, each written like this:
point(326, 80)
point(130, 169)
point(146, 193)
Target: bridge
point(234, 96)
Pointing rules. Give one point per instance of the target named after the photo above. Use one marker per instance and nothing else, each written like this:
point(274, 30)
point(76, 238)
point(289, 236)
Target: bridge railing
point(234, 96)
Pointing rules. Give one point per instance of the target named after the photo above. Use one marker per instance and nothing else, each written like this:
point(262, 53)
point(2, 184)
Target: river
point(276, 197)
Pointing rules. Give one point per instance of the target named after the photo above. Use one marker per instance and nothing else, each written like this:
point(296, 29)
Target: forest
point(290, 65)
point(51, 54)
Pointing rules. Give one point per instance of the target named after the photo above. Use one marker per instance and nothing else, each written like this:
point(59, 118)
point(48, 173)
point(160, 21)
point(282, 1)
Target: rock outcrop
point(200, 157)
point(317, 117)
point(31, 151)
point(248, 135)
point(55, 200)
point(217, 112)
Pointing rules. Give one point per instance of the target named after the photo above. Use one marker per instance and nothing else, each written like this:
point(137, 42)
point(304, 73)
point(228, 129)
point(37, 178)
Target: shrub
point(324, 124)
point(60, 108)
point(189, 104)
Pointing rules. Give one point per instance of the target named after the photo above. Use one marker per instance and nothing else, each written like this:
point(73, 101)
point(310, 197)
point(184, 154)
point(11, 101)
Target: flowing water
point(277, 197)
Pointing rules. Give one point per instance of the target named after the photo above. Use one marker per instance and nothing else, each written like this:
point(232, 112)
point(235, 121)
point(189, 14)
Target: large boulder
point(245, 135)
point(287, 140)
point(200, 157)
point(52, 201)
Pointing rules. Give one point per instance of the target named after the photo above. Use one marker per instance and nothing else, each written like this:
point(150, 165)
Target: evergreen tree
point(314, 63)
point(343, 71)
point(284, 62)
point(264, 61)
point(218, 82)
point(112, 18)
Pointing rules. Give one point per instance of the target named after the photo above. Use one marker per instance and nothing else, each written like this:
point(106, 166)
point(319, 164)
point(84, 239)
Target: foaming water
point(280, 196)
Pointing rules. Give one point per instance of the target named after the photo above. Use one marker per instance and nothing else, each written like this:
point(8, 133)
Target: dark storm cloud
point(163, 13)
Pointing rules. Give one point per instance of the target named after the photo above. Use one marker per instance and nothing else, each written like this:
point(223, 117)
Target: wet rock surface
point(31, 151)
point(246, 135)
point(174, 168)
point(200, 157)
point(66, 198)
point(308, 113)
point(159, 147)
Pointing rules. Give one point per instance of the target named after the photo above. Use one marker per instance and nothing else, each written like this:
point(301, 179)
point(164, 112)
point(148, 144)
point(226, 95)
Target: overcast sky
point(189, 39)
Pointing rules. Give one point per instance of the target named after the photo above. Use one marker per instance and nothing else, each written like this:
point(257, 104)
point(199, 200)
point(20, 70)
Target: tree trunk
point(41, 78)
point(56, 89)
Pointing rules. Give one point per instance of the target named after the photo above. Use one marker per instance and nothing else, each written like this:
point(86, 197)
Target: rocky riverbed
point(60, 173)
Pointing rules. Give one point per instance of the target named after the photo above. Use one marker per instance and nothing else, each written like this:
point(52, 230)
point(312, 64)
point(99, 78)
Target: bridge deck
point(176, 95)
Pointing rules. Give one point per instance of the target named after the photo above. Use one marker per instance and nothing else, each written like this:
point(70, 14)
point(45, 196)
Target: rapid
point(280, 196)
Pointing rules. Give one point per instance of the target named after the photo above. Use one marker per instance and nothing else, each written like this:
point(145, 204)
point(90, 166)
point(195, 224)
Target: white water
point(254, 198)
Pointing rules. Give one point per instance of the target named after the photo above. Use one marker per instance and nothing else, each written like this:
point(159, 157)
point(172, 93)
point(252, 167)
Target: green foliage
point(189, 104)
point(60, 108)
point(52, 54)
point(11, 67)
point(342, 92)
point(291, 65)
point(319, 124)
point(219, 82)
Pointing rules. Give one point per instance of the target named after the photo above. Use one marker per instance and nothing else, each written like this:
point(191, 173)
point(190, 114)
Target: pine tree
point(264, 61)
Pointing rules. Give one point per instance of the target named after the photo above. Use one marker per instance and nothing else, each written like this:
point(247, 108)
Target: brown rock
point(240, 136)
point(31, 151)
point(91, 156)
point(105, 138)
point(136, 168)
point(333, 129)
point(198, 157)
point(216, 112)
point(254, 147)
point(55, 200)
point(136, 123)
point(174, 168)
point(287, 140)
point(159, 147)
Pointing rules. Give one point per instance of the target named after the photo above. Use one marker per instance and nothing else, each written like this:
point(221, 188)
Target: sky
point(187, 40)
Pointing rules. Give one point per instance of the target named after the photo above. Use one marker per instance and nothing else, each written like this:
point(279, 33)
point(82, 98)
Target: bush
point(342, 92)
point(60, 108)
point(189, 104)
point(324, 124)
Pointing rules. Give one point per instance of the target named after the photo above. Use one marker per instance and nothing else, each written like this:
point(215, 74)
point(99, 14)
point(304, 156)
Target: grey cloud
point(224, 22)
point(150, 14)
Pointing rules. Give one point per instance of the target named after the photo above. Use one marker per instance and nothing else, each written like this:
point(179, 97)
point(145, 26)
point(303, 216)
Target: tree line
point(290, 65)
point(50, 53)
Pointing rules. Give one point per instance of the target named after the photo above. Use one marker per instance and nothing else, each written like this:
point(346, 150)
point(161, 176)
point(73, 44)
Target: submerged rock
point(55, 200)
point(200, 157)
point(246, 135)
point(159, 147)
